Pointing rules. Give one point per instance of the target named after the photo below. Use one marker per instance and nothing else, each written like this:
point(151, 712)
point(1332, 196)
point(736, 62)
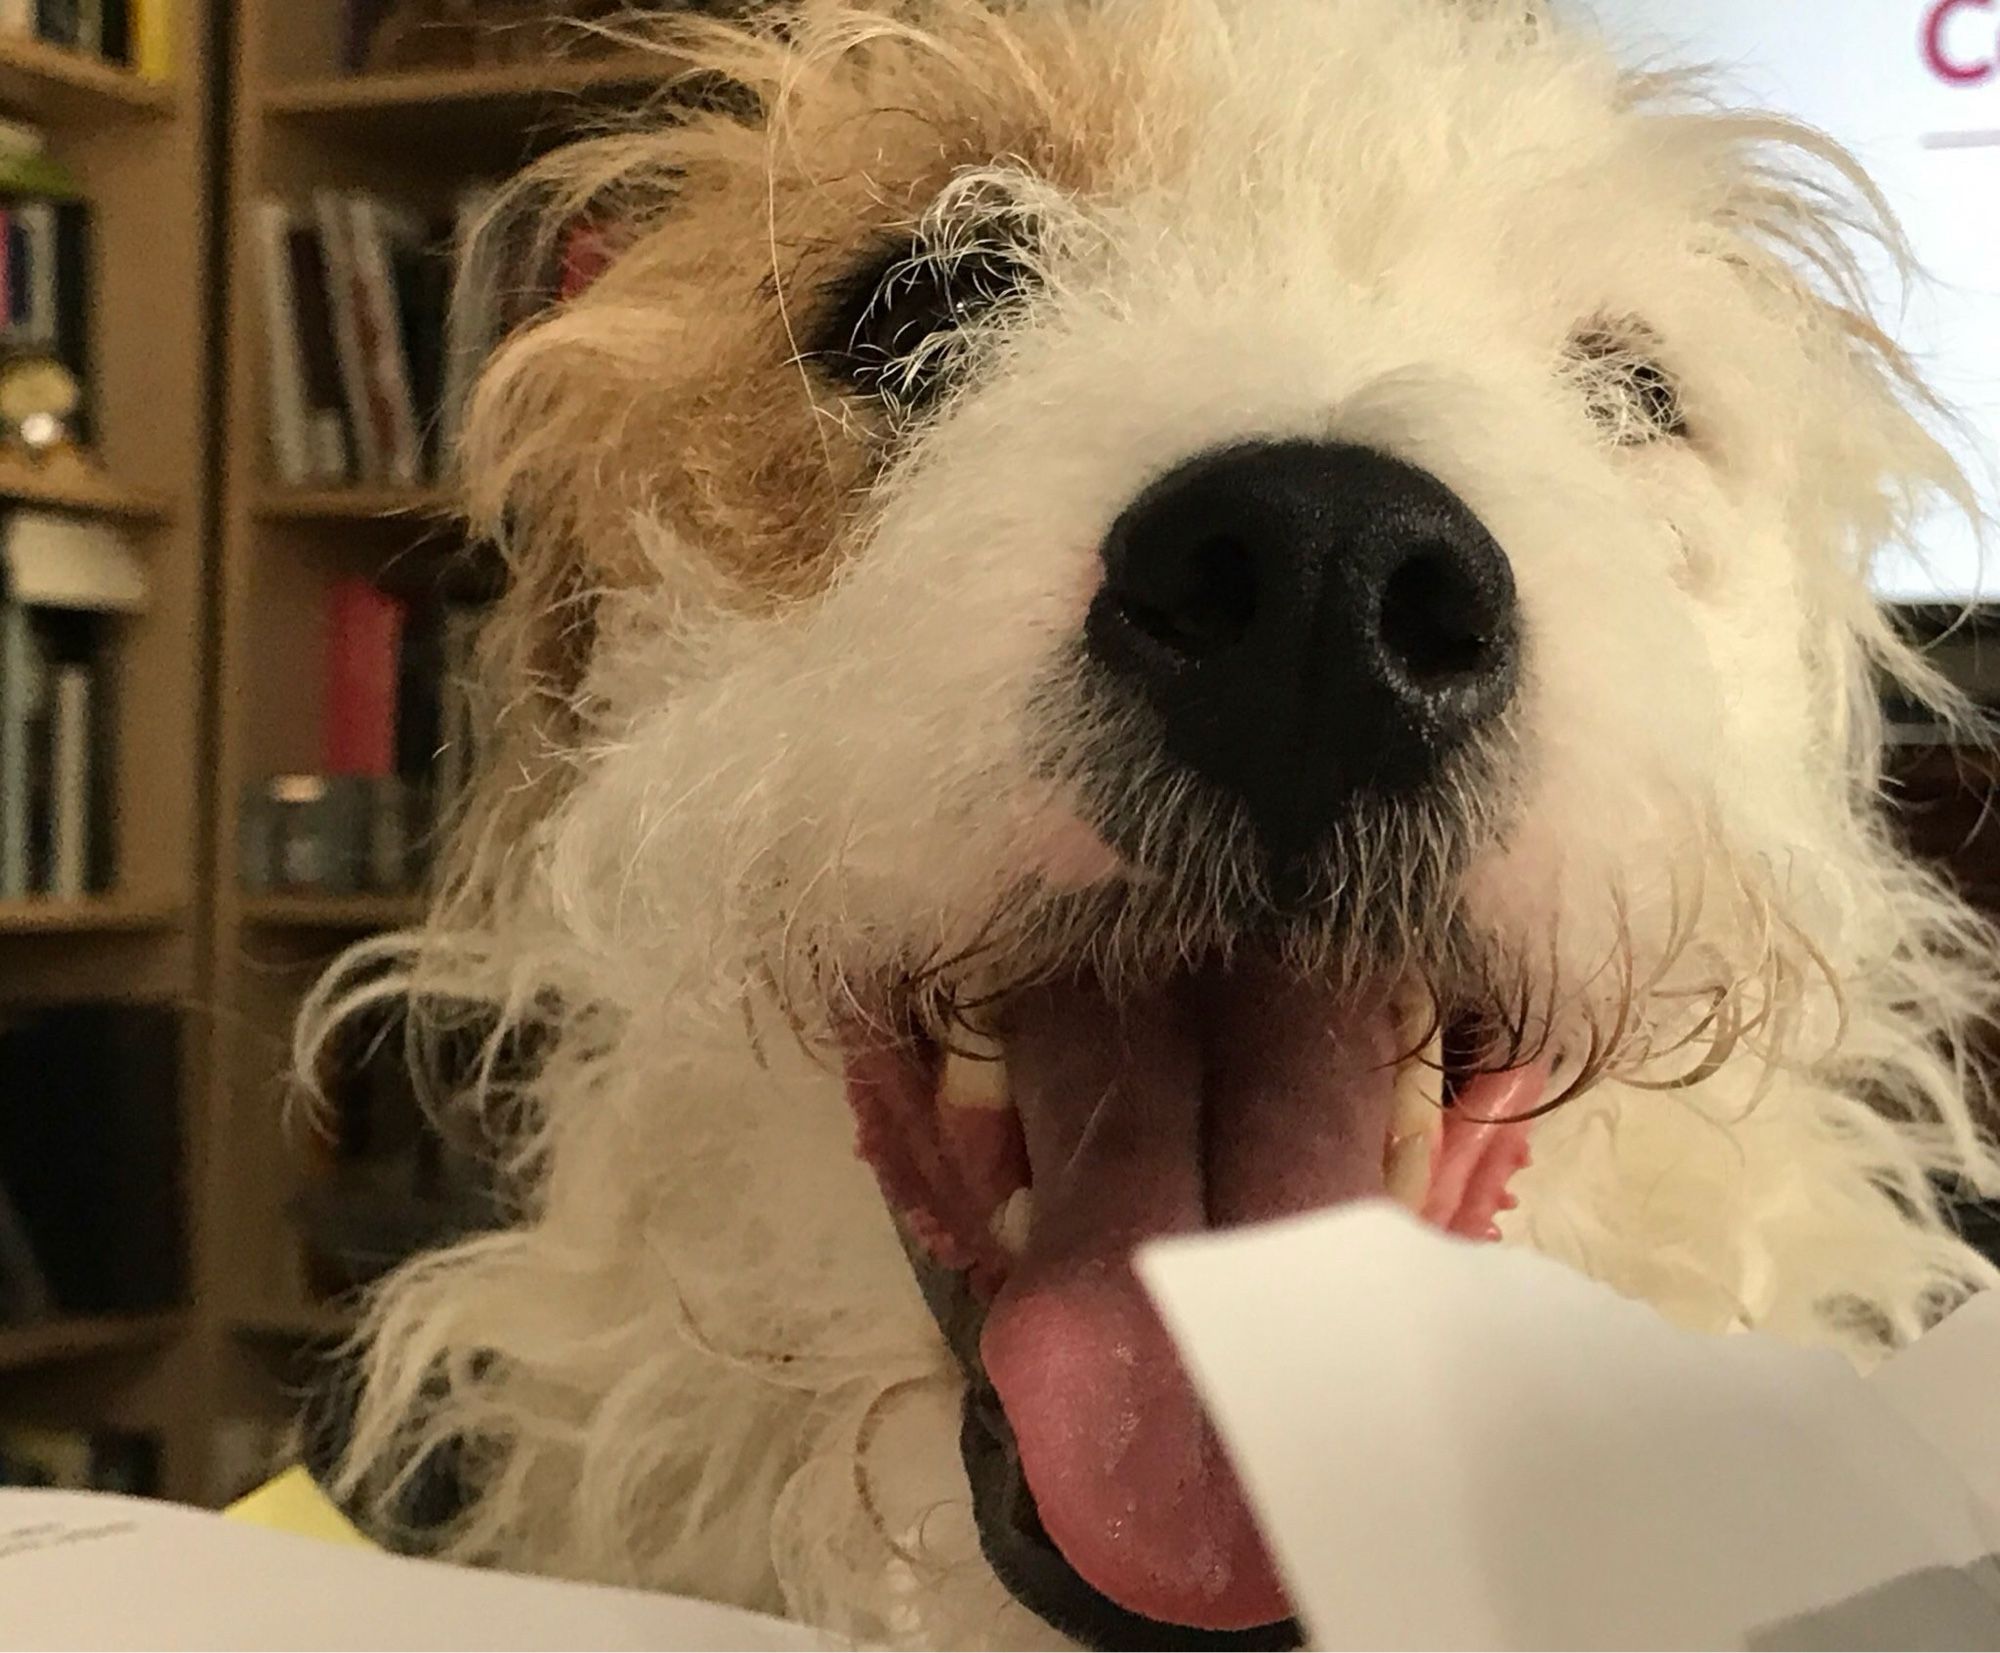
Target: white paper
point(88, 1570)
point(1470, 1446)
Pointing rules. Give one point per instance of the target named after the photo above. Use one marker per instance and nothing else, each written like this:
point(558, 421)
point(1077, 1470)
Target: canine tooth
point(1013, 1221)
point(975, 1075)
point(1416, 1121)
point(1412, 1010)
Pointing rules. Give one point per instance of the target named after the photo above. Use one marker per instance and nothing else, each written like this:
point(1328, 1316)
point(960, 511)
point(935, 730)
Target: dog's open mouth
point(1024, 1164)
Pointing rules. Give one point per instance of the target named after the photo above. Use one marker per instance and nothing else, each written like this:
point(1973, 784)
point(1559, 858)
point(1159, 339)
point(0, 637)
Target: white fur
point(1385, 219)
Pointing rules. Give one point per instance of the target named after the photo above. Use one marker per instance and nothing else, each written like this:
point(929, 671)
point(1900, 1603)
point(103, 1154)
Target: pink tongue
point(1225, 1098)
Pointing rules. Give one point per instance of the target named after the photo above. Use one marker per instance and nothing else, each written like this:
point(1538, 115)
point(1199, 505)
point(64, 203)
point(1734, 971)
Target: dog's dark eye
point(887, 328)
point(1629, 392)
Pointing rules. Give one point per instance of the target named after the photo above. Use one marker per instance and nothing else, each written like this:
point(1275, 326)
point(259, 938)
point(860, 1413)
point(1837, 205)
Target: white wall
point(1913, 87)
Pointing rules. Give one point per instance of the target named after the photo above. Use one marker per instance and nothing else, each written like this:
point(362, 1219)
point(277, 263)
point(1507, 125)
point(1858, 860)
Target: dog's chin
point(1025, 1159)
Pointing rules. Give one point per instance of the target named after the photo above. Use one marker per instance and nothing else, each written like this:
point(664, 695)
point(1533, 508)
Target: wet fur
point(788, 707)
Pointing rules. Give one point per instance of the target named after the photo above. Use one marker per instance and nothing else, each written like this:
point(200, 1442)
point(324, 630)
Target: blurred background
point(237, 327)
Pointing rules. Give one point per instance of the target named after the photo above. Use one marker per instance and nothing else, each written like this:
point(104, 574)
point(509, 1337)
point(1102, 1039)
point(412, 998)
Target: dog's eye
point(887, 328)
point(1629, 392)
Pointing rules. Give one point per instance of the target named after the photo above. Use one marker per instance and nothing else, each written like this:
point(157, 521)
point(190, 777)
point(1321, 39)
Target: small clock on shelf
point(40, 401)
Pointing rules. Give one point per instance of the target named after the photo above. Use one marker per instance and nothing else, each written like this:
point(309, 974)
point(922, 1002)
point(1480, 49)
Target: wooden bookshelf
point(140, 152)
point(417, 138)
point(51, 86)
point(355, 504)
point(104, 915)
point(332, 912)
point(46, 1342)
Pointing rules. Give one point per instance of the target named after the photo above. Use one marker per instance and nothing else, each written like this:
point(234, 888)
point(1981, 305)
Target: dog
point(1160, 613)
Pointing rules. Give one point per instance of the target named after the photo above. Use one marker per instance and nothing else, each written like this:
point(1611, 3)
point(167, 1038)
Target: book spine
point(118, 32)
point(17, 18)
point(363, 641)
point(90, 27)
point(70, 784)
point(20, 668)
point(152, 31)
point(41, 254)
point(290, 444)
point(472, 324)
point(330, 434)
point(58, 21)
point(73, 343)
point(346, 304)
point(381, 338)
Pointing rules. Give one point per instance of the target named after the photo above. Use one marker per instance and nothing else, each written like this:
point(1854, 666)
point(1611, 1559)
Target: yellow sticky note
point(293, 1503)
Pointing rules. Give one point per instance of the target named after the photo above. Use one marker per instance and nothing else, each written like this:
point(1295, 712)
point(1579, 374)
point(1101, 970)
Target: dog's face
point(1222, 597)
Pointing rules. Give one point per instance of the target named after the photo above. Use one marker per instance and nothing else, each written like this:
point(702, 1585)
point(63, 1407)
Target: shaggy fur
point(789, 703)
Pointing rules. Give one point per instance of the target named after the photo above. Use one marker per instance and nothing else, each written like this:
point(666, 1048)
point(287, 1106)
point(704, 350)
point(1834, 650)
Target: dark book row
point(398, 746)
point(65, 584)
point(378, 321)
point(401, 1174)
point(90, 1162)
point(132, 33)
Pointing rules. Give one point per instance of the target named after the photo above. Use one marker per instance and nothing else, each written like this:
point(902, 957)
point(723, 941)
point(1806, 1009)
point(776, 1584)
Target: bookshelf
point(139, 151)
point(416, 138)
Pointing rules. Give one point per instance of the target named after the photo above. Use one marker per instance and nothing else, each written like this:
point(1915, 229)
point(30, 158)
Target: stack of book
point(90, 1162)
point(392, 1183)
point(377, 322)
point(137, 34)
point(45, 262)
point(64, 583)
point(79, 1460)
point(398, 747)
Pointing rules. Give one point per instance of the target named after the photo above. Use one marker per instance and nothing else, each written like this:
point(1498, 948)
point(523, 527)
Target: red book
point(364, 635)
point(586, 254)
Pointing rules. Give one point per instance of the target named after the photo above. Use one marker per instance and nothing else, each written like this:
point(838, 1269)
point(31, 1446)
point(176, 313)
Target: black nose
point(1314, 623)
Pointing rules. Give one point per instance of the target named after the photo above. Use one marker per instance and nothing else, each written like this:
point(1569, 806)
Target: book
point(24, 1288)
point(20, 699)
point(79, 1460)
point(92, 1569)
point(71, 793)
point(91, 1151)
point(329, 428)
point(347, 304)
point(17, 19)
point(473, 324)
point(64, 578)
point(287, 413)
point(38, 324)
point(363, 640)
point(379, 236)
point(59, 22)
point(151, 28)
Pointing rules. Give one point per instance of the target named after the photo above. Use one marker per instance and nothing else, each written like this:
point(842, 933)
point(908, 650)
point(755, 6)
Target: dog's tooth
point(975, 1074)
point(1416, 1121)
point(1013, 1220)
point(1412, 1010)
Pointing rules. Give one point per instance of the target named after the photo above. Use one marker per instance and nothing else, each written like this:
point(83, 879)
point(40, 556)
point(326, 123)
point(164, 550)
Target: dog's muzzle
point(1313, 624)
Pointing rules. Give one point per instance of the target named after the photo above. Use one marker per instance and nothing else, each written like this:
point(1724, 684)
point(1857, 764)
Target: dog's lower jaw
point(1230, 1094)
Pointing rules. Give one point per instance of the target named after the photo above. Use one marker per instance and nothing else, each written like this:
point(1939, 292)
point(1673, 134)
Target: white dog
point(1175, 611)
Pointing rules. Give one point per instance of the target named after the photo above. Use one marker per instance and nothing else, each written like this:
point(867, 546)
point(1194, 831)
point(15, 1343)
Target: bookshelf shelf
point(74, 488)
point(444, 95)
point(45, 1342)
point(296, 1322)
point(60, 87)
point(105, 914)
point(355, 504)
point(333, 912)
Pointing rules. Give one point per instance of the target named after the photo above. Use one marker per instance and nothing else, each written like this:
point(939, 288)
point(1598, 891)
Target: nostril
point(1197, 602)
point(1438, 621)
